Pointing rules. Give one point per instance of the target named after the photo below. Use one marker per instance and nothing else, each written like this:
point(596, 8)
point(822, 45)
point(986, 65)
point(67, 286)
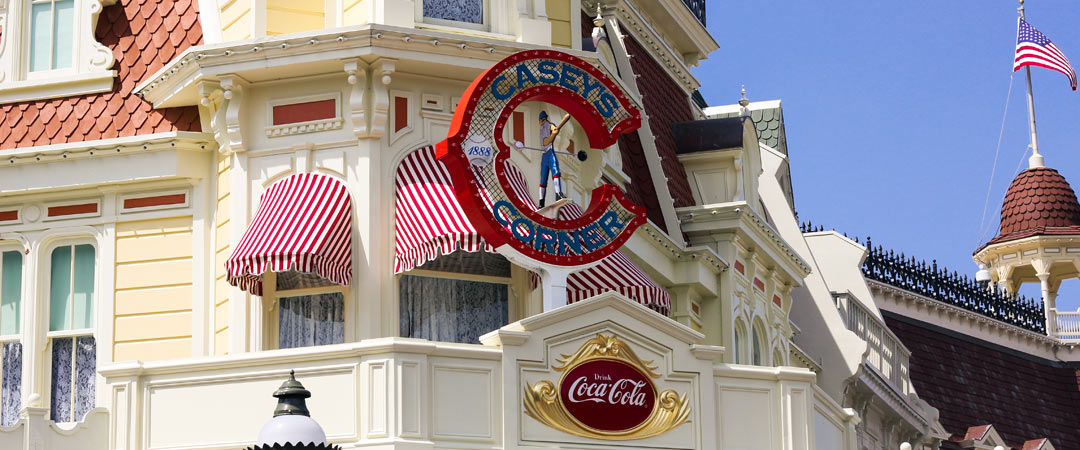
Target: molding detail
point(358, 79)
point(234, 99)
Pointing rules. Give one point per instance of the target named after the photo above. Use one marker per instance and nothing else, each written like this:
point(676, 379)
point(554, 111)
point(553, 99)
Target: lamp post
point(292, 427)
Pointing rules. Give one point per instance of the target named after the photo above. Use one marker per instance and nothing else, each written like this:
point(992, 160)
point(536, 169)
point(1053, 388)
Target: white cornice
point(668, 58)
point(207, 62)
point(72, 151)
point(705, 255)
point(884, 390)
point(985, 328)
point(702, 215)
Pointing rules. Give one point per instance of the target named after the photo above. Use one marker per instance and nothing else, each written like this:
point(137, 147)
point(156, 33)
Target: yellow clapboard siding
point(149, 248)
point(355, 12)
point(221, 316)
point(153, 274)
point(152, 350)
point(309, 6)
point(233, 13)
point(558, 10)
point(221, 287)
point(221, 342)
point(282, 21)
point(156, 226)
point(238, 30)
point(560, 34)
point(219, 261)
point(224, 163)
point(152, 326)
point(145, 301)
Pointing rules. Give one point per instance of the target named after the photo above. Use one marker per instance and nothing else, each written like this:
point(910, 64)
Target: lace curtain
point(71, 398)
point(470, 11)
point(11, 383)
point(443, 309)
point(308, 320)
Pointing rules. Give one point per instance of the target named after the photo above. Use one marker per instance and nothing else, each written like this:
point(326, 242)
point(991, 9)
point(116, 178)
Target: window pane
point(442, 309)
point(757, 345)
point(40, 34)
point(10, 292)
point(60, 400)
point(471, 11)
point(64, 39)
point(85, 368)
point(11, 384)
point(308, 320)
point(84, 286)
point(60, 289)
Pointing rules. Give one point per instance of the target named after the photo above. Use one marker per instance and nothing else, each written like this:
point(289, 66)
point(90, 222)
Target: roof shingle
point(117, 112)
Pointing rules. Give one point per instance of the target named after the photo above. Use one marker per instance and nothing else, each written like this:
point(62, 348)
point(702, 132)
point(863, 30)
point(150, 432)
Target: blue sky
point(893, 109)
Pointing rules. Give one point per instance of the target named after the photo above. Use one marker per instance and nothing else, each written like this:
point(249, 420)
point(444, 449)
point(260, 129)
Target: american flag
point(1034, 49)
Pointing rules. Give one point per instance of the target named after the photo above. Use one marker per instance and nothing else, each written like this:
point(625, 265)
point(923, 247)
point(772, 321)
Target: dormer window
point(49, 49)
point(52, 34)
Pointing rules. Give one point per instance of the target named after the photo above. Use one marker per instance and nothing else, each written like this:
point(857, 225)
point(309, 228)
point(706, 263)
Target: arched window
point(11, 263)
point(72, 283)
point(758, 343)
point(740, 339)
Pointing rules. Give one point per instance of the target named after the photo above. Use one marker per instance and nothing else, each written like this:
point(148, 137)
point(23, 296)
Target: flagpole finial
point(744, 101)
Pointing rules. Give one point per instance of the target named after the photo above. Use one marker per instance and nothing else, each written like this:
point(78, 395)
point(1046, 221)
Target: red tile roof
point(1039, 202)
point(972, 382)
point(143, 35)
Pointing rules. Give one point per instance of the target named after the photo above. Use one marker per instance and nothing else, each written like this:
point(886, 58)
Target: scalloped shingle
point(1039, 202)
point(139, 34)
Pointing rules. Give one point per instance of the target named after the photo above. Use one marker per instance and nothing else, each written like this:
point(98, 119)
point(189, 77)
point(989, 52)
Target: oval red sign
point(608, 395)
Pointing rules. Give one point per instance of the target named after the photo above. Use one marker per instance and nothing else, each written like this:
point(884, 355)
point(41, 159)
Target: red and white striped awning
point(304, 224)
point(430, 222)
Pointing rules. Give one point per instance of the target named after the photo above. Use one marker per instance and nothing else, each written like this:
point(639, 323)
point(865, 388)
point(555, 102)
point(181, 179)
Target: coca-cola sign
point(606, 392)
point(608, 395)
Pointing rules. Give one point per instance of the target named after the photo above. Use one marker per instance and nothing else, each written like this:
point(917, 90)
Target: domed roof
point(1039, 202)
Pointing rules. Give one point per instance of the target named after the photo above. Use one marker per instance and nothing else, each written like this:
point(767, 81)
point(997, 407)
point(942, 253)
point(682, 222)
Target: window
point(71, 318)
point(740, 337)
point(458, 13)
point(311, 310)
point(52, 34)
point(758, 345)
point(10, 346)
point(455, 298)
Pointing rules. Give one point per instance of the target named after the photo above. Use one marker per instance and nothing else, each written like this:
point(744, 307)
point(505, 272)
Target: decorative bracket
point(382, 68)
point(358, 79)
point(233, 87)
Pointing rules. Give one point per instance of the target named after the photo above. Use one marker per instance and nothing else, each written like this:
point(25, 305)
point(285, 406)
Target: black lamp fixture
point(292, 427)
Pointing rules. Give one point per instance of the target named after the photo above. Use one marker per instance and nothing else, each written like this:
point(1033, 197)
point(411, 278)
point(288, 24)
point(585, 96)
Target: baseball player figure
point(548, 162)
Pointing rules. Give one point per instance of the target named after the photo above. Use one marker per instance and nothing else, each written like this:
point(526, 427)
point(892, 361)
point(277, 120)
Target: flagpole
point(1036, 159)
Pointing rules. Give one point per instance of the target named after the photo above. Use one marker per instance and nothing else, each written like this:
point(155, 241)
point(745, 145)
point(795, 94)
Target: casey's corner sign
point(606, 392)
point(478, 159)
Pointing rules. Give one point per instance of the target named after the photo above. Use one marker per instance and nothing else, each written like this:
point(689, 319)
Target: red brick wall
point(665, 103)
point(143, 35)
point(974, 383)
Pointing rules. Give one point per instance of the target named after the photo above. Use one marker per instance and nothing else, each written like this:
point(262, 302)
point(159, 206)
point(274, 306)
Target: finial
point(599, 20)
point(291, 397)
point(744, 101)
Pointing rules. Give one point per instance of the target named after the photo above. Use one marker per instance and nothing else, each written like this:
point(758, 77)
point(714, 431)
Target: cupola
point(1039, 237)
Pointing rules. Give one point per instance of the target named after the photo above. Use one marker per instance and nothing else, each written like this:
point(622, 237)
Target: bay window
point(11, 263)
point(455, 298)
point(310, 309)
point(458, 13)
point(71, 320)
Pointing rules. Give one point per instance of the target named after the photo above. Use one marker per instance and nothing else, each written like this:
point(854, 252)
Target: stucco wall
point(153, 290)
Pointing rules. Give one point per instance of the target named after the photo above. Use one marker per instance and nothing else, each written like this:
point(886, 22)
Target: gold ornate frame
point(542, 401)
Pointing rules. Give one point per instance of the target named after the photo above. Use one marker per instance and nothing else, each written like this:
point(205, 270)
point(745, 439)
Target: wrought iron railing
point(938, 283)
point(698, 8)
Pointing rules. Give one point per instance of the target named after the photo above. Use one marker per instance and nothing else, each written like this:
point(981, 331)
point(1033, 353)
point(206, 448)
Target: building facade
point(198, 197)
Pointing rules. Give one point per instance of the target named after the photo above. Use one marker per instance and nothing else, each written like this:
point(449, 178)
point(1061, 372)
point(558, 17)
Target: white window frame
point(17, 337)
point(739, 343)
point(90, 65)
point(484, 25)
point(757, 336)
point(272, 317)
point(45, 273)
point(51, 72)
